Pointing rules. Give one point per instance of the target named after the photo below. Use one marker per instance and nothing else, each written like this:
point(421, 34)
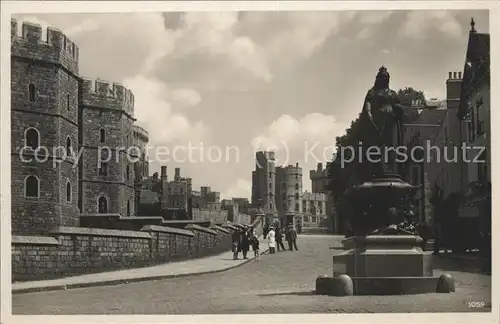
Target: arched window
point(68, 191)
point(128, 208)
point(102, 135)
point(31, 187)
point(128, 173)
point(31, 92)
point(32, 138)
point(68, 146)
point(102, 205)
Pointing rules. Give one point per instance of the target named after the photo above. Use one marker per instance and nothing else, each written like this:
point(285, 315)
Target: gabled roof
point(476, 67)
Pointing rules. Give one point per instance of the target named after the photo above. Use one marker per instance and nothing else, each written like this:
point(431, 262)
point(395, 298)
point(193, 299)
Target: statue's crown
point(382, 69)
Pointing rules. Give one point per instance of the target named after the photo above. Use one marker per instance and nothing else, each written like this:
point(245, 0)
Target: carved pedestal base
point(382, 265)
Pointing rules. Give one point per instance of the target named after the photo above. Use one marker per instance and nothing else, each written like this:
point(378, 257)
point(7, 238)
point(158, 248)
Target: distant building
point(417, 136)
point(314, 209)
point(243, 205)
point(264, 183)
point(209, 196)
point(320, 182)
point(289, 190)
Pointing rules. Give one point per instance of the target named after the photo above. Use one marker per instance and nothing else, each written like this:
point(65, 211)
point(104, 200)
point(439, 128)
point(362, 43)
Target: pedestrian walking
point(245, 243)
point(279, 239)
point(292, 238)
point(254, 242)
point(236, 244)
point(271, 240)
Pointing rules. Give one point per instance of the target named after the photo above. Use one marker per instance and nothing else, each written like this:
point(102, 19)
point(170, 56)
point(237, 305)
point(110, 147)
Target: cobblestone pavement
point(279, 283)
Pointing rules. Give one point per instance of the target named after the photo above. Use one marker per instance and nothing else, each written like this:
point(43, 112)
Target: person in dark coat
point(244, 243)
point(291, 238)
point(254, 242)
point(279, 239)
point(236, 243)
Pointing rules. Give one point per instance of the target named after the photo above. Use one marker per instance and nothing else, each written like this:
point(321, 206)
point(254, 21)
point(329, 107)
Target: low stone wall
point(70, 251)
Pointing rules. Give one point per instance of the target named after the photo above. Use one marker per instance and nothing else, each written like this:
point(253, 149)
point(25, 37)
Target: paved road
point(280, 283)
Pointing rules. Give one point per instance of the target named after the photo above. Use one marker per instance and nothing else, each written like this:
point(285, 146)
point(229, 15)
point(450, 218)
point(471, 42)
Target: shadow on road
point(446, 264)
point(293, 293)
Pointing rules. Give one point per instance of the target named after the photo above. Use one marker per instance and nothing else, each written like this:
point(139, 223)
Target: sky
point(223, 85)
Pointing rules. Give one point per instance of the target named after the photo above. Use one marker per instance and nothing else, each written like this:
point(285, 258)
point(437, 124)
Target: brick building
point(54, 112)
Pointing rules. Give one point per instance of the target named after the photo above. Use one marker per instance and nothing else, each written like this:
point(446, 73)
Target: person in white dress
point(271, 239)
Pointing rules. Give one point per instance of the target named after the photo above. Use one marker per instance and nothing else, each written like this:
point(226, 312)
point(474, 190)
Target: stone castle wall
point(48, 95)
point(44, 97)
point(109, 108)
point(73, 251)
point(216, 216)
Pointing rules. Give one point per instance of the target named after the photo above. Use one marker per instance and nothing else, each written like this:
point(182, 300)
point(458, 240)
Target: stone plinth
point(383, 265)
point(382, 256)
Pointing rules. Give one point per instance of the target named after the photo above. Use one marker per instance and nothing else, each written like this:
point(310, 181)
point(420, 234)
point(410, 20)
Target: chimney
point(155, 176)
point(320, 166)
point(163, 171)
point(297, 164)
point(177, 174)
point(453, 90)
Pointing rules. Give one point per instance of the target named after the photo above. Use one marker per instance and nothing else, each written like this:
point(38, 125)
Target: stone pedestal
point(383, 265)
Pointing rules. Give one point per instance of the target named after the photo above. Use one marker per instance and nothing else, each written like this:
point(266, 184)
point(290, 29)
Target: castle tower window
point(68, 191)
point(128, 172)
point(102, 205)
point(68, 106)
point(31, 92)
point(31, 187)
point(102, 135)
point(103, 169)
point(296, 186)
point(297, 207)
point(32, 138)
point(128, 208)
point(68, 146)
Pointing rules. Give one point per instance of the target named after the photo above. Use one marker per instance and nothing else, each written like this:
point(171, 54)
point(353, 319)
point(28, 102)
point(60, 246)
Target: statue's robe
point(382, 130)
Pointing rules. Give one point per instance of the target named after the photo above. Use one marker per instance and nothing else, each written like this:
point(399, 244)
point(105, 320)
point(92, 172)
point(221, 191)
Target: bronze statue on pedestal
point(381, 204)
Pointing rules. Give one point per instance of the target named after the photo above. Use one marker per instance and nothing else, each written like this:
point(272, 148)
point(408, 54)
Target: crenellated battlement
point(100, 93)
point(28, 42)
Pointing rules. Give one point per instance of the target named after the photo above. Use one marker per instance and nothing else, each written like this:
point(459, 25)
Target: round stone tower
point(44, 119)
point(293, 180)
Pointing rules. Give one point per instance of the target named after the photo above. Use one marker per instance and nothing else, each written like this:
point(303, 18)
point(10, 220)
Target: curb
point(126, 281)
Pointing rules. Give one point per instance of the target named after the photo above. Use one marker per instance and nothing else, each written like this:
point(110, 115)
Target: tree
point(342, 175)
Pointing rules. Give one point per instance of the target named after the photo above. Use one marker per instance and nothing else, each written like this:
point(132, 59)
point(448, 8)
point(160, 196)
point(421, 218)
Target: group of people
point(243, 239)
point(275, 235)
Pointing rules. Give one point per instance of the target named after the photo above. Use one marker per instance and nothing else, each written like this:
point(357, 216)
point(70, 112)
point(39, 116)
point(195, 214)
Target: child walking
point(254, 241)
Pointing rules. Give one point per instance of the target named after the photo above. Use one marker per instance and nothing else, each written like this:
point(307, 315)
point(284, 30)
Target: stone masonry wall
point(50, 66)
point(72, 251)
point(217, 216)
